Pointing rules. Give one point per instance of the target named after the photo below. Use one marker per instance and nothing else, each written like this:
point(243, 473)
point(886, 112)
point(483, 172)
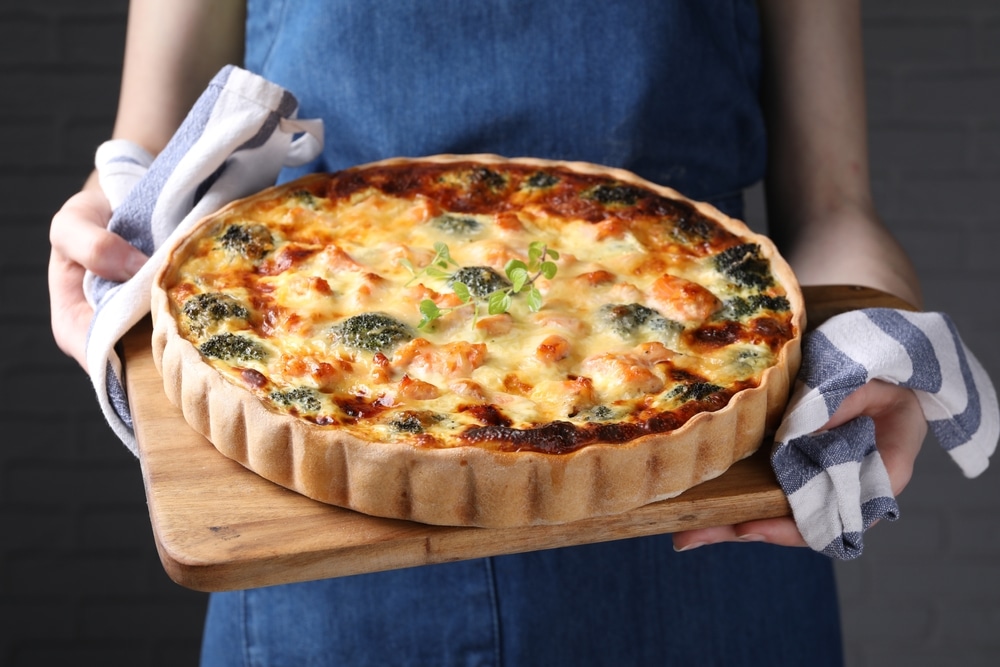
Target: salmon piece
point(509, 222)
point(417, 390)
point(468, 389)
point(418, 257)
point(321, 286)
point(454, 360)
point(423, 209)
point(654, 352)
point(564, 397)
point(568, 324)
point(419, 292)
point(493, 254)
point(595, 278)
point(623, 373)
point(515, 385)
point(291, 365)
point(625, 293)
point(323, 373)
point(334, 257)
point(645, 265)
point(406, 353)
point(682, 300)
point(496, 325)
point(380, 368)
point(554, 348)
point(369, 292)
point(612, 228)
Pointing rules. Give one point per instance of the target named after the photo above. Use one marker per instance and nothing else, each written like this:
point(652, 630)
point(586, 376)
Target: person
point(704, 97)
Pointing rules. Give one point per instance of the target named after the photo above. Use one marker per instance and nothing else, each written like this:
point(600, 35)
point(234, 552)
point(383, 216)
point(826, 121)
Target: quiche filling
point(381, 302)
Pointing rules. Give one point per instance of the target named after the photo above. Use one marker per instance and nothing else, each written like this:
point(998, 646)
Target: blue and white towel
point(243, 130)
point(835, 480)
point(234, 141)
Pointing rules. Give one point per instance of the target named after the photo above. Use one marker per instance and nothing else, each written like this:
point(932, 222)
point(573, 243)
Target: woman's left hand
point(900, 429)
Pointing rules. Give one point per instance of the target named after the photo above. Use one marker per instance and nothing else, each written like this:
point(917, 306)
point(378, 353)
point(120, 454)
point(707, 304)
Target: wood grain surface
point(219, 526)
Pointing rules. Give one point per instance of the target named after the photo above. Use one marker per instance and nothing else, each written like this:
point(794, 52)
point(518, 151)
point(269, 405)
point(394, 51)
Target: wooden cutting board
point(219, 526)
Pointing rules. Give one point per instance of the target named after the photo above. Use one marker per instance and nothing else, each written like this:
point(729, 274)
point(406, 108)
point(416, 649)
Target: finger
point(687, 540)
point(900, 427)
point(780, 531)
point(79, 234)
point(872, 399)
point(70, 312)
point(899, 434)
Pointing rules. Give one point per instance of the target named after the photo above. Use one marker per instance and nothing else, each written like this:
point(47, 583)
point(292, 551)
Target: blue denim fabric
point(633, 602)
point(665, 89)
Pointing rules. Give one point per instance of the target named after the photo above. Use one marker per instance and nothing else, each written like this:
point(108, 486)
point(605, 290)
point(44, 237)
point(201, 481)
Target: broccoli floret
point(692, 227)
point(777, 304)
point(407, 422)
point(456, 225)
point(696, 391)
point(204, 310)
point(541, 179)
point(627, 319)
point(616, 193)
point(736, 309)
point(488, 177)
point(744, 265)
point(229, 346)
point(300, 397)
point(481, 280)
point(249, 241)
point(740, 307)
point(598, 413)
point(374, 332)
point(306, 199)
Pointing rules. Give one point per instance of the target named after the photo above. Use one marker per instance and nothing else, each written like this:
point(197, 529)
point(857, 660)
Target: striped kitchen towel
point(240, 133)
point(835, 480)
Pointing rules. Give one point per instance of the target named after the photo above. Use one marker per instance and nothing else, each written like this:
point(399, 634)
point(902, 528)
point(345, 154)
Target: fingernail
point(751, 537)
point(690, 547)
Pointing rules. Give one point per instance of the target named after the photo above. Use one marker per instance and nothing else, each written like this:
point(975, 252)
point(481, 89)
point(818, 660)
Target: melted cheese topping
point(646, 316)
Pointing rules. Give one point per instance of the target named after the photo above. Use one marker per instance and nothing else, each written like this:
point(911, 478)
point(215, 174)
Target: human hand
point(81, 241)
point(900, 429)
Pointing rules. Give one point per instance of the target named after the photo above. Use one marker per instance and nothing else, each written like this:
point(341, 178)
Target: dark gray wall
point(79, 577)
point(927, 590)
point(80, 581)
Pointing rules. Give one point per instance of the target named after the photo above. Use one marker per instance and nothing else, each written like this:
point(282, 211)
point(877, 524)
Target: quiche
point(476, 340)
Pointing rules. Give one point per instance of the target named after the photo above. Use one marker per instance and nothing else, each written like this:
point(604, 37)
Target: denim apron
point(665, 88)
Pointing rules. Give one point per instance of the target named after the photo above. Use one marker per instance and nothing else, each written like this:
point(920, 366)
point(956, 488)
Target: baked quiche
point(478, 341)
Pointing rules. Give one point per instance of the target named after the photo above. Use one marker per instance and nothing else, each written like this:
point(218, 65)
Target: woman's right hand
point(173, 49)
point(80, 242)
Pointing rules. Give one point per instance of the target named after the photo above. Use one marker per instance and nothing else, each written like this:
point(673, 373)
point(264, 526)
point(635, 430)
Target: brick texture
point(80, 581)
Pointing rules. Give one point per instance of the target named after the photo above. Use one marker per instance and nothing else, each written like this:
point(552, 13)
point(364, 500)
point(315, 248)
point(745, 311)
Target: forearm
point(171, 53)
point(857, 250)
point(820, 208)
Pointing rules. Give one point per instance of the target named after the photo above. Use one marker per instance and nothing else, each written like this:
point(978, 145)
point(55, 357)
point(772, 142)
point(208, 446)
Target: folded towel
point(234, 141)
point(835, 480)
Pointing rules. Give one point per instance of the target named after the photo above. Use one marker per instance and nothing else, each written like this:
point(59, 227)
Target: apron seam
point(491, 586)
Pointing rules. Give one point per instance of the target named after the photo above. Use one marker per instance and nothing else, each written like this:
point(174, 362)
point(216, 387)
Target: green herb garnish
point(521, 277)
